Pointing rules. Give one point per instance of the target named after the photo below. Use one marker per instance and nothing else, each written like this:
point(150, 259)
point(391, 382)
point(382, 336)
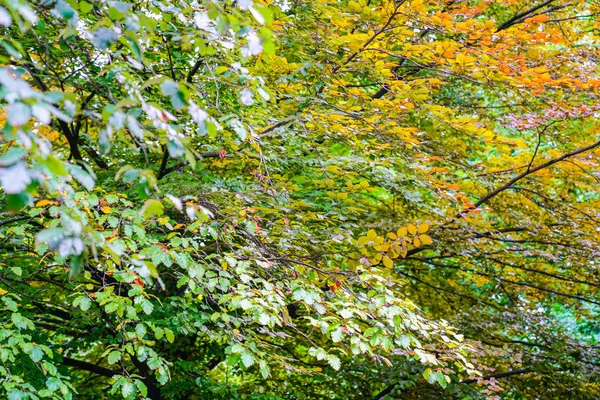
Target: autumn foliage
point(272, 199)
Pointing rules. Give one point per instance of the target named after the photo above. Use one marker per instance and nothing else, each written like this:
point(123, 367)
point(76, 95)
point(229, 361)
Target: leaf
point(247, 358)
point(12, 156)
point(104, 37)
point(264, 369)
point(411, 229)
point(14, 179)
point(15, 202)
point(82, 176)
point(169, 335)
point(106, 210)
point(5, 18)
point(147, 307)
point(36, 354)
point(43, 203)
point(18, 114)
point(70, 246)
point(387, 262)
point(141, 387)
point(334, 361)
point(50, 236)
point(56, 166)
point(85, 304)
point(114, 357)
point(53, 384)
point(152, 208)
point(425, 239)
point(423, 228)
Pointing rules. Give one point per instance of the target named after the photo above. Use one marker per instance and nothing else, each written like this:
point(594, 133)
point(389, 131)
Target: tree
point(262, 199)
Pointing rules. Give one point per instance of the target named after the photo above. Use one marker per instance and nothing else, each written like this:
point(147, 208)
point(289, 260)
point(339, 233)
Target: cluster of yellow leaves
point(374, 249)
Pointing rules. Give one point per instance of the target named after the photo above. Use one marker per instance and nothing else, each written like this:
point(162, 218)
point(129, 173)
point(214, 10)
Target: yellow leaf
point(163, 220)
point(423, 228)
point(425, 239)
point(387, 262)
point(376, 258)
point(106, 210)
point(417, 242)
point(392, 236)
point(332, 168)
point(402, 232)
point(3, 292)
point(382, 247)
point(43, 203)
point(412, 229)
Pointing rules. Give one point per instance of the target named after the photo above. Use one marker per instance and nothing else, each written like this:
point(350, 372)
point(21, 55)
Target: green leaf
point(55, 166)
point(53, 384)
point(114, 357)
point(170, 336)
point(152, 208)
point(247, 358)
point(36, 353)
point(16, 202)
point(334, 361)
point(141, 387)
point(127, 389)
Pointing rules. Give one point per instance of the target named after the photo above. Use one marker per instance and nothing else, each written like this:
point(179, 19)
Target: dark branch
point(165, 171)
point(194, 70)
point(96, 369)
point(530, 171)
point(522, 16)
point(385, 392)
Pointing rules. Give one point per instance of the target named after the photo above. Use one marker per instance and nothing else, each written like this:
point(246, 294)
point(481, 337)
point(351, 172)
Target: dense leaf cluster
point(313, 199)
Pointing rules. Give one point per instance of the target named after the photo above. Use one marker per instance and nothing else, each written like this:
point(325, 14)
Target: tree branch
point(96, 369)
point(520, 17)
point(385, 392)
point(165, 171)
point(194, 70)
point(530, 171)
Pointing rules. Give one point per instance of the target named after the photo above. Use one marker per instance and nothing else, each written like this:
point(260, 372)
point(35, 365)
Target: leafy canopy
point(309, 199)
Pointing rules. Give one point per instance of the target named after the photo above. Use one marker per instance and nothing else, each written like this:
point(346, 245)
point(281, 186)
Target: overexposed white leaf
point(175, 201)
point(5, 18)
point(191, 213)
point(42, 114)
point(70, 246)
point(202, 21)
point(18, 114)
point(244, 4)
point(257, 15)
point(14, 179)
point(197, 114)
point(247, 97)
point(254, 46)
